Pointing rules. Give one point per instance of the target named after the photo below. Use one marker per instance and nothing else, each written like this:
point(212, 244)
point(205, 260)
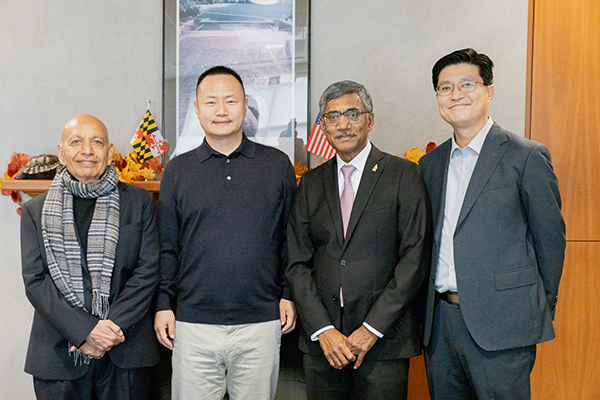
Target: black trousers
point(458, 369)
point(103, 381)
point(373, 380)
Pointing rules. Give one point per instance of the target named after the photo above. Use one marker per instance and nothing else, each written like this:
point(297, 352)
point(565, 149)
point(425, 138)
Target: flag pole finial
point(148, 101)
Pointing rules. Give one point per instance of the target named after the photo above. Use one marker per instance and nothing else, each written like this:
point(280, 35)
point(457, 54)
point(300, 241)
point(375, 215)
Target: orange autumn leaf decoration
point(130, 169)
point(16, 162)
point(414, 155)
point(430, 146)
point(299, 170)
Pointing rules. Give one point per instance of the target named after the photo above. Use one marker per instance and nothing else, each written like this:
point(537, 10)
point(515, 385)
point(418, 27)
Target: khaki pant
point(240, 359)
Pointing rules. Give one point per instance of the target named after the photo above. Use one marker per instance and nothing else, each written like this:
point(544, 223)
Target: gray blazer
point(509, 243)
point(134, 280)
point(379, 263)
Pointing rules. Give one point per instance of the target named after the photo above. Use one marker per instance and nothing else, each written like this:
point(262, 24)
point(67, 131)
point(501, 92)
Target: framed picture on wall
point(265, 41)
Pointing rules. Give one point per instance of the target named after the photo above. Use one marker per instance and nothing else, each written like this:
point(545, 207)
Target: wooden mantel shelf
point(34, 187)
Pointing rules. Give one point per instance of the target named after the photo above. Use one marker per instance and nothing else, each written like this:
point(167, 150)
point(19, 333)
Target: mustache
point(344, 135)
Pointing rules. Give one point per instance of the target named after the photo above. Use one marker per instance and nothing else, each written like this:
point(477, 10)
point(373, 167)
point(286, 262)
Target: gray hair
point(342, 88)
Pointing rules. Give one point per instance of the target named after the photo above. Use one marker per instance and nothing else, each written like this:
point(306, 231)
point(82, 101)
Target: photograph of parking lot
point(256, 39)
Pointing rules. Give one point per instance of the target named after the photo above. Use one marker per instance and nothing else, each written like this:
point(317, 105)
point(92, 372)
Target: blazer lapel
point(330, 187)
point(491, 153)
point(123, 199)
point(373, 169)
point(438, 187)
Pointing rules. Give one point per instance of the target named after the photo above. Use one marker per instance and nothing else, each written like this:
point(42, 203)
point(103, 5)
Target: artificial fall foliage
point(16, 162)
point(129, 168)
point(416, 153)
point(299, 170)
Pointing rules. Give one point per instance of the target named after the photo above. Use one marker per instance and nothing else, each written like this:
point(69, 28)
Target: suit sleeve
point(541, 200)
point(415, 234)
point(135, 298)
point(73, 323)
point(299, 272)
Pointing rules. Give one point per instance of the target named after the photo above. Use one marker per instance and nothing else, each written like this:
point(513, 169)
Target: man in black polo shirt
point(222, 214)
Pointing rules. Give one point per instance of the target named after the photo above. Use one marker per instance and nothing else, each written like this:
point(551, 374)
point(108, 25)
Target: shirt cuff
point(163, 302)
point(373, 330)
point(314, 337)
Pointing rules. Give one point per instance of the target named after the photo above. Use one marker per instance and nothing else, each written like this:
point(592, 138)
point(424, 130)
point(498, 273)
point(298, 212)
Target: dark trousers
point(103, 381)
point(385, 379)
point(457, 368)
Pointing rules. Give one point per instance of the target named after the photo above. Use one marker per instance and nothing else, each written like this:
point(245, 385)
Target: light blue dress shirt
point(460, 169)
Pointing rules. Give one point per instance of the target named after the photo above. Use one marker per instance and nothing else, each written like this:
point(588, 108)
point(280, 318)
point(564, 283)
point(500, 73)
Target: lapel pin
point(375, 168)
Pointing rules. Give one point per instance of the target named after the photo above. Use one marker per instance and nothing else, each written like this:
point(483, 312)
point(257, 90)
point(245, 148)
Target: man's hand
point(333, 344)
point(164, 326)
point(105, 335)
point(287, 316)
point(360, 342)
point(88, 350)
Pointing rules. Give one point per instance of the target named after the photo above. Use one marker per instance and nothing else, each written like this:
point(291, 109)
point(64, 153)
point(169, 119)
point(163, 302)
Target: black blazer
point(134, 280)
point(509, 243)
point(379, 264)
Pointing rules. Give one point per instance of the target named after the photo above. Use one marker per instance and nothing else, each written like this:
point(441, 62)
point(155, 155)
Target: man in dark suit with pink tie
point(358, 234)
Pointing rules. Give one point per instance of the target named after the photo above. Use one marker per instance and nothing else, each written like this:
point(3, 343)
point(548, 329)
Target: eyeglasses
point(352, 115)
point(464, 87)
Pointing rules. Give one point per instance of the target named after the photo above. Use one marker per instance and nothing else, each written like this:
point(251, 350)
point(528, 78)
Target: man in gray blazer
point(499, 242)
point(89, 251)
point(355, 271)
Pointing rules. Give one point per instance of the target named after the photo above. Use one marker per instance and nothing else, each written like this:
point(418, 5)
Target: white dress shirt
point(460, 169)
point(359, 164)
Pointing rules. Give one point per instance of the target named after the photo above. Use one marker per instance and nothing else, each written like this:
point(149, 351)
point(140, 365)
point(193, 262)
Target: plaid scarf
point(63, 250)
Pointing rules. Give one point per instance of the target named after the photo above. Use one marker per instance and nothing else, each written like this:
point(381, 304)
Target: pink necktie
point(347, 197)
point(346, 201)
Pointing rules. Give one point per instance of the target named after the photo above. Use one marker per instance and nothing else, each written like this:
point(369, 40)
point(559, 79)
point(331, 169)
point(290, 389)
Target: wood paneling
point(34, 187)
point(565, 104)
point(417, 380)
point(568, 367)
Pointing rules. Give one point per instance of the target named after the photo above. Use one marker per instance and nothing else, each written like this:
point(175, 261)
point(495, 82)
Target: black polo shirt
point(222, 230)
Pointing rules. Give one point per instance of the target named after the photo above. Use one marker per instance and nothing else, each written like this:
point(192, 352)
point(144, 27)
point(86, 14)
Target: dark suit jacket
point(509, 242)
point(134, 280)
point(379, 264)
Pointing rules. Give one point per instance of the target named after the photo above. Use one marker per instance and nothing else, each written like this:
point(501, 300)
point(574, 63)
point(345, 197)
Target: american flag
point(317, 142)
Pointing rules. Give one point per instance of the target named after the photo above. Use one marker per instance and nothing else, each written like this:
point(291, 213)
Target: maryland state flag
point(317, 142)
point(147, 140)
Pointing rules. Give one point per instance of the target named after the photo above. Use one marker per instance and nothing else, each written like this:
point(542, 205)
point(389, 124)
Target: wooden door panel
point(565, 104)
point(568, 367)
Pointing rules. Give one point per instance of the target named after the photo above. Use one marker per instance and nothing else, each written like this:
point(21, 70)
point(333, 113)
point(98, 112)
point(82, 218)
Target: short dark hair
point(220, 70)
point(342, 88)
point(465, 56)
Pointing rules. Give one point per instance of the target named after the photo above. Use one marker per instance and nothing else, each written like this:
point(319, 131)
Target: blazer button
point(88, 290)
point(343, 263)
point(334, 298)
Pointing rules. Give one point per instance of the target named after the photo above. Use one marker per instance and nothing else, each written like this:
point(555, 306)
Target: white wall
point(58, 59)
point(390, 47)
point(62, 58)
